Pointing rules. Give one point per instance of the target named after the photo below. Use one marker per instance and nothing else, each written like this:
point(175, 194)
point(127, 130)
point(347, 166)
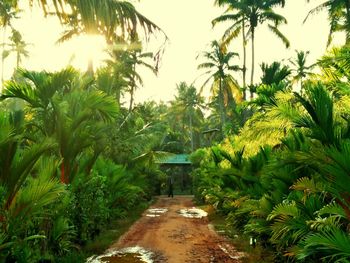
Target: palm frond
point(333, 244)
point(279, 34)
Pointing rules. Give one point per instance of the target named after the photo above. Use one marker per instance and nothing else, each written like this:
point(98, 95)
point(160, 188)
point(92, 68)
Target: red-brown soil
point(176, 239)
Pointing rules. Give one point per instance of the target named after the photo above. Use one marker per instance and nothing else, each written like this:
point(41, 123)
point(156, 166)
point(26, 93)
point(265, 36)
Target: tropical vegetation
point(78, 152)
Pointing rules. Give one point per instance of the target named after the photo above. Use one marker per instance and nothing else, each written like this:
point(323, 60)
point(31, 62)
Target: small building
point(176, 159)
point(179, 166)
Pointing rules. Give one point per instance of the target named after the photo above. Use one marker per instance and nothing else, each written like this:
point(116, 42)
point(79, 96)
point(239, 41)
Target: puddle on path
point(155, 212)
point(124, 255)
point(231, 252)
point(193, 212)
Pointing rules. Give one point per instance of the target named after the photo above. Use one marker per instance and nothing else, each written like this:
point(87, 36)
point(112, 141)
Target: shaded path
point(176, 239)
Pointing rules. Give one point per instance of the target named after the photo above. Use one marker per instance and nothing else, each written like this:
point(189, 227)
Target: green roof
point(176, 159)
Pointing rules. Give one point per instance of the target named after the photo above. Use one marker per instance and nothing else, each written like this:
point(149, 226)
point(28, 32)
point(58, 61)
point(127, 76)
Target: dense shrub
point(293, 197)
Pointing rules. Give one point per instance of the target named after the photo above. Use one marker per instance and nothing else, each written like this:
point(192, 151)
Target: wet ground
point(171, 231)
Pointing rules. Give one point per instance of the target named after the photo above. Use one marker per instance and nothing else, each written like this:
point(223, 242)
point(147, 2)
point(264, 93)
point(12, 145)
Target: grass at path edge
point(107, 237)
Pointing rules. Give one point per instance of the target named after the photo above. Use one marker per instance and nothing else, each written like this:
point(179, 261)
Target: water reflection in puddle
point(126, 258)
point(155, 212)
point(231, 252)
point(193, 213)
point(125, 255)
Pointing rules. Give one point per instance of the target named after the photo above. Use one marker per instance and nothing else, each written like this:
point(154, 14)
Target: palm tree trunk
point(191, 130)
point(244, 60)
point(253, 61)
point(131, 98)
point(117, 96)
point(90, 69)
point(63, 174)
point(2, 56)
point(18, 58)
point(132, 90)
point(10, 200)
point(221, 107)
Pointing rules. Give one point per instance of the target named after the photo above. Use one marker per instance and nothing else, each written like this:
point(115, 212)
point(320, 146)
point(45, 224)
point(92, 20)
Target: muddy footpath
point(171, 231)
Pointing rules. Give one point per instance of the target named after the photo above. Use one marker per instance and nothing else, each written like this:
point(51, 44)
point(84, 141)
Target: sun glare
point(85, 48)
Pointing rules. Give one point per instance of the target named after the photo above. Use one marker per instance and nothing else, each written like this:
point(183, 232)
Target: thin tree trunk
point(132, 90)
point(90, 69)
point(2, 56)
point(131, 97)
point(221, 106)
point(17, 60)
point(117, 96)
point(9, 201)
point(63, 175)
point(244, 60)
point(191, 130)
point(253, 61)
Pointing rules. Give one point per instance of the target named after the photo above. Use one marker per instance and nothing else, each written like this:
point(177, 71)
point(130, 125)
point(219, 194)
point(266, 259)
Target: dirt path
point(176, 239)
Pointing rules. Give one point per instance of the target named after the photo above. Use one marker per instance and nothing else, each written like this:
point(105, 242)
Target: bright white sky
point(188, 25)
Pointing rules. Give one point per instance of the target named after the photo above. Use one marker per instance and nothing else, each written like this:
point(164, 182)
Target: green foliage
point(274, 73)
point(292, 197)
point(187, 108)
point(72, 158)
point(225, 89)
point(59, 188)
point(105, 17)
point(331, 245)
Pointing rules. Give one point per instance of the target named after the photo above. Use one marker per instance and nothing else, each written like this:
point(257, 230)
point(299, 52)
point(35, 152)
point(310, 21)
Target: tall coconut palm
point(259, 12)
point(137, 59)
point(218, 66)
point(301, 70)
point(255, 12)
point(239, 26)
point(125, 60)
point(338, 15)
point(189, 104)
point(117, 70)
point(18, 46)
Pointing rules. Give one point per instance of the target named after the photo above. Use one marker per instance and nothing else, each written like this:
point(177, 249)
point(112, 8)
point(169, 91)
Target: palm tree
point(17, 156)
point(18, 46)
point(112, 18)
point(254, 12)
point(218, 66)
point(274, 73)
point(274, 79)
point(301, 69)
point(110, 81)
point(8, 10)
point(124, 60)
point(335, 66)
point(64, 105)
point(189, 104)
point(116, 72)
point(239, 26)
point(338, 15)
point(259, 12)
point(136, 59)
